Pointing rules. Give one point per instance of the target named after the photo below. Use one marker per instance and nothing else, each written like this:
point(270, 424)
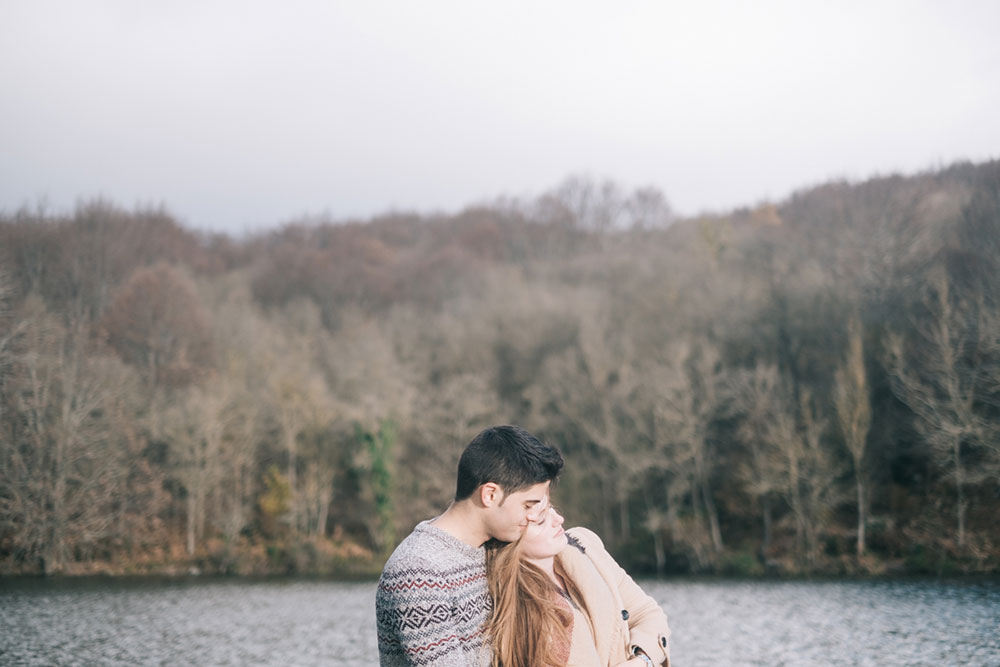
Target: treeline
point(810, 386)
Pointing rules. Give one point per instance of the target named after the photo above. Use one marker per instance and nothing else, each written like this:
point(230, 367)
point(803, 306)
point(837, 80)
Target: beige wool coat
point(621, 615)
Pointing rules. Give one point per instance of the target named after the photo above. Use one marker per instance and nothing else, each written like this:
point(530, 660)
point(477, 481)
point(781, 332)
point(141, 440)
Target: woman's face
point(544, 538)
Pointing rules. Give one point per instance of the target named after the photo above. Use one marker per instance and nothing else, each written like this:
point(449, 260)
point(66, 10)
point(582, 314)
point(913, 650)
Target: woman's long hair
point(528, 627)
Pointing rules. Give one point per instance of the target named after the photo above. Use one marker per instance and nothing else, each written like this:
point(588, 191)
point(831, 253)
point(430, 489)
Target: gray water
point(717, 623)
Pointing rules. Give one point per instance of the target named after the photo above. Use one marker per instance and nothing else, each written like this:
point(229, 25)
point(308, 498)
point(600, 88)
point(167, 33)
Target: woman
point(559, 598)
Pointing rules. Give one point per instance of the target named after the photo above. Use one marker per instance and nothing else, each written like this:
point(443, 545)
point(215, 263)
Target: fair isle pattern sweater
point(432, 602)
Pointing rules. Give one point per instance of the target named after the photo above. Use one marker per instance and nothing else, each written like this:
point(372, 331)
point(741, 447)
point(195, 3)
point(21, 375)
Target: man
point(432, 601)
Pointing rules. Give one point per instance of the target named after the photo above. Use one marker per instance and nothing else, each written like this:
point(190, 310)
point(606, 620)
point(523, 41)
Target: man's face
point(507, 520)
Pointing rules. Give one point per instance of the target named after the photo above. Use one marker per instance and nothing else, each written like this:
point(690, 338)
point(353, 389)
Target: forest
point(795, 387)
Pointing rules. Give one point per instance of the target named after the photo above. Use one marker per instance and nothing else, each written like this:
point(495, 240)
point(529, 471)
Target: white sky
point(242, 114)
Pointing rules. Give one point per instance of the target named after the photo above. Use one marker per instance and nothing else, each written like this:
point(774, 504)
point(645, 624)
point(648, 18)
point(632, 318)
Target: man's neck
point(462, 522)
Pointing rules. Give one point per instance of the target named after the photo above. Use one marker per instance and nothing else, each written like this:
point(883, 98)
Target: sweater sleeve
point(420, 622)
point(647, 622)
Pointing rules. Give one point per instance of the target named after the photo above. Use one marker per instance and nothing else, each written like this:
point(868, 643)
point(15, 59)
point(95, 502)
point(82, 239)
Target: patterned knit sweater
point(432, 602)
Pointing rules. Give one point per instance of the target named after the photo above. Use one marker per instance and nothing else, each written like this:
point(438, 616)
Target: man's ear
point(490, 494)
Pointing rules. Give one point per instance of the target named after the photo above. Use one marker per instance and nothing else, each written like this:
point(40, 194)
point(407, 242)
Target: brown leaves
point(157, 323)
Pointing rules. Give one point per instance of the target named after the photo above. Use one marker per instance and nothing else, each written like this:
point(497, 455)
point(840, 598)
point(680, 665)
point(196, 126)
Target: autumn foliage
point(810, 385)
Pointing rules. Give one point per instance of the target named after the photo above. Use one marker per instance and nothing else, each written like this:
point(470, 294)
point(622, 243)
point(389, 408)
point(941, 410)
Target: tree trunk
point(293, 496)
point(190, 522)
point(54, 561)
point(862, 515)
point(658, 551)
point(713, 518)
point(959, 491)
point(798, 510)
point(765, 546)
point(706, 497)
point(606, 514)
point(324, 511)
point(626, 532)
point(200, 498)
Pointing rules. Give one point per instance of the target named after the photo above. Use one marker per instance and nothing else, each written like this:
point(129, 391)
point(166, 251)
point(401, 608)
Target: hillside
point(810, 385)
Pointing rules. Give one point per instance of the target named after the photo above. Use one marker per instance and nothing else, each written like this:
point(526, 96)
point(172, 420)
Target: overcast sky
point(240, 114)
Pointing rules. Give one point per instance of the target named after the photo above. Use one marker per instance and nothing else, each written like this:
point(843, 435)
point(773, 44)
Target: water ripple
point(238, 622)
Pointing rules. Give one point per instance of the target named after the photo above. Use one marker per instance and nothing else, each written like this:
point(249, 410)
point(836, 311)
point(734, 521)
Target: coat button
point(663, 642)
point(624, 614)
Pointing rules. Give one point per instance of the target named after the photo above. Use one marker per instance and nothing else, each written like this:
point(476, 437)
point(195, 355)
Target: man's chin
point(513, 536)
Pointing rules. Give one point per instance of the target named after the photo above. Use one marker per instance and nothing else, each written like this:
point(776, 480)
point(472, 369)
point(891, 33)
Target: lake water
point(296, 622)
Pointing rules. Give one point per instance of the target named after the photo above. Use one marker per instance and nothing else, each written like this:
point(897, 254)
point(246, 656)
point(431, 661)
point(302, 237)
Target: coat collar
point(601, 603)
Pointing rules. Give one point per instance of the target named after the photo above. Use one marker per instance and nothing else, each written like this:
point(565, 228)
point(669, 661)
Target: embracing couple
point(495, 581)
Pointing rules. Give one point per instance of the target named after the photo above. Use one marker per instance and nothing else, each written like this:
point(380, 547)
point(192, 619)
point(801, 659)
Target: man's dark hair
point(508, 456)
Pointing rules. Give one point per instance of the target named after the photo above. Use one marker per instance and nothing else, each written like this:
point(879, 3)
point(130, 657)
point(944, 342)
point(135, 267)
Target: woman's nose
point(557, 518)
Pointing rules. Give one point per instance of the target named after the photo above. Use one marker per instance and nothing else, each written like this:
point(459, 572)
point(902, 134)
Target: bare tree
point(854, 415)
point(754, 399)
point(316, 485)
point(821, 471)
point(458, 407)
point(673, 459)
point(60, 469)
point(685, 401)
point(194, 429)
point(593, 205)
point(647, 208)
point(300, 397)
point(592, 389)
point(10, 330)
point(242, 331)
point(808, 469)
point(235, 492)
point(940, 377)
point(989, 326)
point(375, 373)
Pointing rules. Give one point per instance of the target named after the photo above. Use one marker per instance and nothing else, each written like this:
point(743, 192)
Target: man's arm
point(420, 622)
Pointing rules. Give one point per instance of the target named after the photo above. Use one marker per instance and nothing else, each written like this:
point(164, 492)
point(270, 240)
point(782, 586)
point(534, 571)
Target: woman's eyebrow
point(542, 515)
